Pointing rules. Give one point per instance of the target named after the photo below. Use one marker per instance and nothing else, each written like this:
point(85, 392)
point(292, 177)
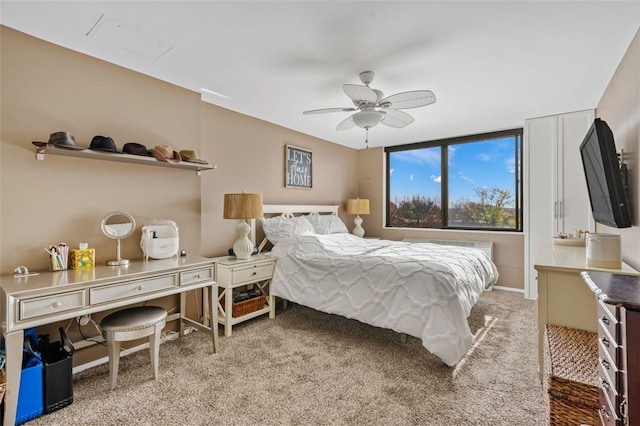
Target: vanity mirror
point(118, 225)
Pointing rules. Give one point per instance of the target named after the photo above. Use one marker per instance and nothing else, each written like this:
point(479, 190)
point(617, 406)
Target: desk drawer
point(197, 276)
point(253, 273)
point(31, 308)
point(131, 289)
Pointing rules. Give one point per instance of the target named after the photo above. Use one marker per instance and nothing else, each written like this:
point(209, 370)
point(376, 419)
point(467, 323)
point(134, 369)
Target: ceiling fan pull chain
point(366, 138)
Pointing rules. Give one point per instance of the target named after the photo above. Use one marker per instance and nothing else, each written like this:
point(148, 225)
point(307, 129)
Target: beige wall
point(47, 88)
point(508, 248)
point(620, 108)
point(250, 158)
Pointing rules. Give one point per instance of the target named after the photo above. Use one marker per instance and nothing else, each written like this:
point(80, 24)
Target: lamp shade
point(358, 206)
point(242, 206)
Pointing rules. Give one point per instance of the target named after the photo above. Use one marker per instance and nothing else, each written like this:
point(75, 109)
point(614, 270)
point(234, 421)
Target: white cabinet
point(556, 198)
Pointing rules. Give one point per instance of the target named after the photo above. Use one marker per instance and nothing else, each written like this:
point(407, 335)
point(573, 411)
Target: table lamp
point(243, 206)
point(358, 206)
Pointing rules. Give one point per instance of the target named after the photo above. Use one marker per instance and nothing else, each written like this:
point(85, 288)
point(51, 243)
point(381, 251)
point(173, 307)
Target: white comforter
point(424, 290)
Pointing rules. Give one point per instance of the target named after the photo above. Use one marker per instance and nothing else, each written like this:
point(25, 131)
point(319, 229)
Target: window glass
point(468, 183)
point(415, 188)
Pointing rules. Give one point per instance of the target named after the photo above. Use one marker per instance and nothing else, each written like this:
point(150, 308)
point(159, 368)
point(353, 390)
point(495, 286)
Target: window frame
point(443, 144)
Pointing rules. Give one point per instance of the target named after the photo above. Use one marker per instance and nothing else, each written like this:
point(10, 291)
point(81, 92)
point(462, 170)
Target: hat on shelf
point(103, 143)
point(166, 153)
point(135, 148)
point(191, 156)
point(62, 140)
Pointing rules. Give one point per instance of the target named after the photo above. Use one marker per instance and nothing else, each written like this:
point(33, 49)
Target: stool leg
point(113, 348)
point(154, 348)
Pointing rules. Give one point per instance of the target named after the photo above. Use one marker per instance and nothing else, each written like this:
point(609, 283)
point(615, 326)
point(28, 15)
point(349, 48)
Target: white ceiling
point(490, 64)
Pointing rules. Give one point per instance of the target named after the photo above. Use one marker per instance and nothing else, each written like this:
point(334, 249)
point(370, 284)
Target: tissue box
point(83, 258)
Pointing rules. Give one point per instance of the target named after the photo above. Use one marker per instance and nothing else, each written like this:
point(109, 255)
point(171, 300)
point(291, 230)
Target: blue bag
point(30, 400)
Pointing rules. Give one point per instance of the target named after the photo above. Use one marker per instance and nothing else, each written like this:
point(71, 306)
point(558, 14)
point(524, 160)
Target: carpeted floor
point(307, 367)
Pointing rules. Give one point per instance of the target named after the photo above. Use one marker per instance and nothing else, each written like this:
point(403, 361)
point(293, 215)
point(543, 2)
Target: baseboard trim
point(105, 359)
point(516, 290)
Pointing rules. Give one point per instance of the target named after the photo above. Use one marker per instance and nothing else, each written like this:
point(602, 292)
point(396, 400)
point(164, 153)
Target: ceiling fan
point(373, 108)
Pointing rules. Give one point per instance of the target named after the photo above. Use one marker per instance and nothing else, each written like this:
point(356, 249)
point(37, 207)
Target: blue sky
point(472, 165)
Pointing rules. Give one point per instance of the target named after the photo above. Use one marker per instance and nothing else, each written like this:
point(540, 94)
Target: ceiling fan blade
point(398, 119)
point(358, 92)
point(346, 124)
point(326, 110)
point(406, 100)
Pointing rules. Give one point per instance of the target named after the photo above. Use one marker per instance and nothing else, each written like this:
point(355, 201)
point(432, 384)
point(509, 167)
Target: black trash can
point(58, 372)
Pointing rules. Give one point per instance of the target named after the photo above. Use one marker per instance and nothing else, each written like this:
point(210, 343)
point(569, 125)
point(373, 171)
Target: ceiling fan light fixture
point(367, 119)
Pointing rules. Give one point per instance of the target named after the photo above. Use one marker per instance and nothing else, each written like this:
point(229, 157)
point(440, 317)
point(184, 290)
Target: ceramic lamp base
point(243, 247)
point(358, 230)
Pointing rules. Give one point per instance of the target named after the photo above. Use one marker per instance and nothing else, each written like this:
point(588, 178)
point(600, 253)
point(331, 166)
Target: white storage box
point(160, 239)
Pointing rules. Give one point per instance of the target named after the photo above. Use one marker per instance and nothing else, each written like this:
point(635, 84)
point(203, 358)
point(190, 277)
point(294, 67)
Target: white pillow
point(277, 228)
point(327, 224)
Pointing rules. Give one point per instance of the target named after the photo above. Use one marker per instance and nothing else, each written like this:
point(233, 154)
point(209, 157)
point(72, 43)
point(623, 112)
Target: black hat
point(102, 143)
point(62, 140)
point(135, 149)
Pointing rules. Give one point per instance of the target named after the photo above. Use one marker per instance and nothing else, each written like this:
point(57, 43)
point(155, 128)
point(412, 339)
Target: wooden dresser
point(563, 298)
point(618, 313)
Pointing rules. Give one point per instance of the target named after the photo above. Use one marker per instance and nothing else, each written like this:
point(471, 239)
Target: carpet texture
point(307, 367)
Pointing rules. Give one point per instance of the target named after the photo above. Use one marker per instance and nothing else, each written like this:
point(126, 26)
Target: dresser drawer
point(31, 308)
point(607, 319)
point(607, 343)
point(252, 273)
point(131, 289)
point(607, 365)
point(607, 413)
point(608, 385)
point(197, 276)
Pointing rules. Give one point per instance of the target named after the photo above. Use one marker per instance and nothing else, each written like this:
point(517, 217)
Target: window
point(472, 182)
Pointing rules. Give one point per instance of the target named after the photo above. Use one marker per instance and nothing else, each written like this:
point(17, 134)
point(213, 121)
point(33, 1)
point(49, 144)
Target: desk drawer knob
point(197, 276)
point(605, 363)
point(139, 288)
point(604, 412)
point(604, 384)
point(605, 342)
point(254, 273)
point(605, 321)
point(56, 305)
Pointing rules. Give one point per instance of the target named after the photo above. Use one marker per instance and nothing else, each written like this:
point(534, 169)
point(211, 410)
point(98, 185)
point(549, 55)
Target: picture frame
point(298, 164)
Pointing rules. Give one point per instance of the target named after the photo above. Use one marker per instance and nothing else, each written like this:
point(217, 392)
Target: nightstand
point(231, 273)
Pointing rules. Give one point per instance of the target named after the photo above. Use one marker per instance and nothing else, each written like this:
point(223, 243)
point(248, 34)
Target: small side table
point(233, 273)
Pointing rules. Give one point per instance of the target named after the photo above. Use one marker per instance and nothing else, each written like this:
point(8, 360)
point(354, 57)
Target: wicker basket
point(571, 376)
point(246, 306)
point(3, 383)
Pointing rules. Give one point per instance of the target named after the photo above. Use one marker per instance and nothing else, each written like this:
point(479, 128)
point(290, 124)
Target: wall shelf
point(118, 157)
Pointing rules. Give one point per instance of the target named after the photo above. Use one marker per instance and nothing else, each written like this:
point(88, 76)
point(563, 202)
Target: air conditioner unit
point(485, 246)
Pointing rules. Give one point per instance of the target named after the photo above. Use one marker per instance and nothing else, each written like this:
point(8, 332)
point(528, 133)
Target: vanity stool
point(131, 324)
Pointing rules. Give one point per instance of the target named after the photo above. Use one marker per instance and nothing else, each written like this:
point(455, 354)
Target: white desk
point(56, 296)
point(563, 297)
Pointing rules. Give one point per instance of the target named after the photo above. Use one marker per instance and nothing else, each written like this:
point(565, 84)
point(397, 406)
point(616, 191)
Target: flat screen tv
point(606, 179)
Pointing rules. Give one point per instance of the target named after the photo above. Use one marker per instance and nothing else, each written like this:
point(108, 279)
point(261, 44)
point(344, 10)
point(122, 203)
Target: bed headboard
point(291, 210)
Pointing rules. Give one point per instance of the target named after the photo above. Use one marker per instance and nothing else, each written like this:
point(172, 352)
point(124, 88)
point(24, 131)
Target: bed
point(421, 289)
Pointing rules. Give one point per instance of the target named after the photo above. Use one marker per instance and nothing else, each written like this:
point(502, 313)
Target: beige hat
point(166, 153)
point(191, 157)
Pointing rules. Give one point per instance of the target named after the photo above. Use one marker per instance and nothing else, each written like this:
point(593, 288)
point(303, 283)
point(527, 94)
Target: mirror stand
point(118, 225)
point(118, 261)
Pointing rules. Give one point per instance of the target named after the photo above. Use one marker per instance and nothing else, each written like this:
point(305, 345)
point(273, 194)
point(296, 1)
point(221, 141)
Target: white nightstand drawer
point(252, 273)
point(190, 277)
point(131, 289)
point(31, 308)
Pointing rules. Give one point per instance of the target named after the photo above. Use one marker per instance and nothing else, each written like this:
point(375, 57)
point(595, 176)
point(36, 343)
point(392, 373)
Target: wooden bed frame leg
point(403, 338)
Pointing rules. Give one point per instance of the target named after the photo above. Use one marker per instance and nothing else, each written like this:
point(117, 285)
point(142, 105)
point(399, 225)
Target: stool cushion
point(133, 318)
